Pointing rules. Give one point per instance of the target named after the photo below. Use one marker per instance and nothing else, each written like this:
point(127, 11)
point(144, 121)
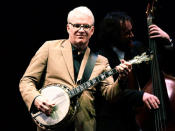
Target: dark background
point(25, 25)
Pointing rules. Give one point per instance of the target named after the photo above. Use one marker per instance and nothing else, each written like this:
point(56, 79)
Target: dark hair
point(110, 27)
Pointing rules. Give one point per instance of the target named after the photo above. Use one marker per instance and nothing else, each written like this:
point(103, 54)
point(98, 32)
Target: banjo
point(65, 99)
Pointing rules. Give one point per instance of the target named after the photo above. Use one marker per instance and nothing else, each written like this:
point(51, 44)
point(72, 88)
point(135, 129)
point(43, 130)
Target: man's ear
point(68, 28)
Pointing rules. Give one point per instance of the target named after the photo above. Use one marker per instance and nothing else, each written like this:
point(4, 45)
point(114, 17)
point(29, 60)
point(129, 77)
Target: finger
point(147, 104)
point(127, 65)
point(152, 25)
point(155, 36)
point(124, 66)
point(156, 102)
point(119, 69)
point(45, 107)
point(153, 102)
point(47, 104)
point(42, 109)
point(153, 32)
point(148, 101)
point(125, 62)
point(156, 106)
point(124, 72)
point(122, 60)
point(46, 110)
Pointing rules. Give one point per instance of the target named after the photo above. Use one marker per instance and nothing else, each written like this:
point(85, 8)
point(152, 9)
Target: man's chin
point(80, 41)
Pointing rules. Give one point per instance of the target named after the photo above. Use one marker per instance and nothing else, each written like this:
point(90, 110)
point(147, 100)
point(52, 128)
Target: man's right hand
point(43, 105)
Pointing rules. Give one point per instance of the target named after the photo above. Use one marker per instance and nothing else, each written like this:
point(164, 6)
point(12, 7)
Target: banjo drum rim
point(50, 126)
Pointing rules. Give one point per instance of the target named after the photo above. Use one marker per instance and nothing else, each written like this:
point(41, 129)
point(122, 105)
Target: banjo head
point(57, 94)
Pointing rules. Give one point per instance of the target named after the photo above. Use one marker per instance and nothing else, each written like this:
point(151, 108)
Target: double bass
point(161, 85)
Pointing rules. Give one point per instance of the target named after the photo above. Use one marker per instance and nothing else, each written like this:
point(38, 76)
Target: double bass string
point(159, 114)
point(161, 119)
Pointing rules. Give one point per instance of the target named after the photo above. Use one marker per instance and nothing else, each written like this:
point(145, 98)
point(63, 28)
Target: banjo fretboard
point(144, 57)
point(89, 83)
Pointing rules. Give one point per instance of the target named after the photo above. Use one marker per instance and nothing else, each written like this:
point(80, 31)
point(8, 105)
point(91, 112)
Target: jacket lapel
point(67, 54)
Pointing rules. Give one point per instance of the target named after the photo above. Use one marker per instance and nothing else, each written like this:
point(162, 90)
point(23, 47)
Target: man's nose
point(81, 28)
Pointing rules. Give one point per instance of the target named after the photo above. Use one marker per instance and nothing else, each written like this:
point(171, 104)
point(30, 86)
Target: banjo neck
point(89, 83)
point(144, 57)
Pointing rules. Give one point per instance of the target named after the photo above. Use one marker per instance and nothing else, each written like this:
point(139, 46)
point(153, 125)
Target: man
point(116, 39)
point(57, 62)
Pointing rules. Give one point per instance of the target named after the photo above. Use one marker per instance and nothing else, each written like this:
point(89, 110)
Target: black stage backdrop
point(25, 25)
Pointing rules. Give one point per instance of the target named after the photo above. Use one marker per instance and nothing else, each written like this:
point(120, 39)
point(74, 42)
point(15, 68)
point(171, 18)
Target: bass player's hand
point(151, 101)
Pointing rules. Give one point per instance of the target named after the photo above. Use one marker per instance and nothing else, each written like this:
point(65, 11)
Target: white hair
point(83, 10)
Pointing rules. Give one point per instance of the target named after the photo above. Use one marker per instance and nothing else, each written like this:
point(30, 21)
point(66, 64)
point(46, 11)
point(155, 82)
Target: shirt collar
point(74, 49)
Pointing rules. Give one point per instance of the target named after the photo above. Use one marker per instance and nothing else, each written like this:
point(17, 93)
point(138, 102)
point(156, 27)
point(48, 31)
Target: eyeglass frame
point(79, 26)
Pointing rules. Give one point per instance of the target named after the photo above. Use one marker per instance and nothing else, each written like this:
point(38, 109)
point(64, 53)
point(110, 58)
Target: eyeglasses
point(79, 26)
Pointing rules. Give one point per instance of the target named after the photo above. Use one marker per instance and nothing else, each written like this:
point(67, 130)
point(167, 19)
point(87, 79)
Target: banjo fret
point(89, 83)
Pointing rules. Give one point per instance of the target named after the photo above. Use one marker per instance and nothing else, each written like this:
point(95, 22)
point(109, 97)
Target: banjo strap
point(89, 67)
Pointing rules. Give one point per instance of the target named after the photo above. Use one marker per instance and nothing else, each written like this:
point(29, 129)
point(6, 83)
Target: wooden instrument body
point(145, 117)
point(157, 119)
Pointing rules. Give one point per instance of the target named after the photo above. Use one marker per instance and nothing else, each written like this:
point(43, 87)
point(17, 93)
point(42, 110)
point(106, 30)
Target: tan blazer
point(56, 57)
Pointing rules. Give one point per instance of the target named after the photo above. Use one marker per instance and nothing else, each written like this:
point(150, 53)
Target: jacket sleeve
point(132, 97)
point(109, 88)
point(31, 78)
